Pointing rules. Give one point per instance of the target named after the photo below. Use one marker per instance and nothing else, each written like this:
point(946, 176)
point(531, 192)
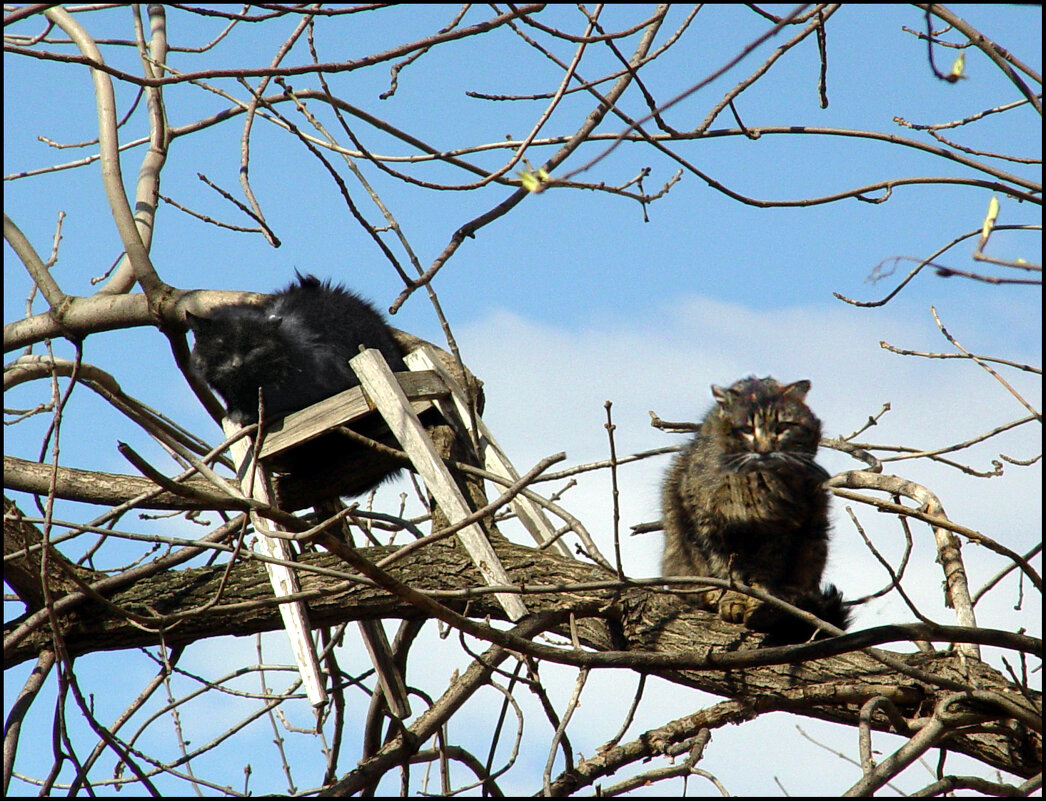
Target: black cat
point(296, 348)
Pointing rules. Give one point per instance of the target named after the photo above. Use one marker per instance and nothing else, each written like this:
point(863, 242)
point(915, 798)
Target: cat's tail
point(830, 608)
point(827, 605)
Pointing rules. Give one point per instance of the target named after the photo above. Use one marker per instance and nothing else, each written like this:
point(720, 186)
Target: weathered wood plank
point(494, 459)
point(254, 481)
point(388, 398)
point(345, 407)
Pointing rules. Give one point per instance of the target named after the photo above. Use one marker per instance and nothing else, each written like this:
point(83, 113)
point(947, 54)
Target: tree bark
point(640, 621)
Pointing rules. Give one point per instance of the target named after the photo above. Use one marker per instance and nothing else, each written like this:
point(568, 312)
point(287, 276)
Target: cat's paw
point(763, 617)
point(241, 418)
point(735, 607)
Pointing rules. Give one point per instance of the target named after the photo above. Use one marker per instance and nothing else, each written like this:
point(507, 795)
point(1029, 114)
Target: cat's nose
point(763, 443)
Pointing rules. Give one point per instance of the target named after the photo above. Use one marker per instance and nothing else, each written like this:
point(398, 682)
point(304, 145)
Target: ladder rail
point(495, 461)
point(254, 481)
point(388, 398)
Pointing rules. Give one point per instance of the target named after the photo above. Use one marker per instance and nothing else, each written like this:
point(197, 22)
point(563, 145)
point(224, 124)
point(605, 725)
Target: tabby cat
point(745, 498)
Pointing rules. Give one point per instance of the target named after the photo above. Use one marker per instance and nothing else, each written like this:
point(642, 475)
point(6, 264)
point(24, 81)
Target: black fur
point(296, 348)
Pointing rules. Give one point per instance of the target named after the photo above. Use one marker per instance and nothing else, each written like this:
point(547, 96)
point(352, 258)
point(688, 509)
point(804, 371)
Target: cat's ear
point(720, 394)
point(797, 391)
point(196, 324)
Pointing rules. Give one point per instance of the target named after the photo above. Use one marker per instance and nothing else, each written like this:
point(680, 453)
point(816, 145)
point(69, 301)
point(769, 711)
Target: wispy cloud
point(546, 386)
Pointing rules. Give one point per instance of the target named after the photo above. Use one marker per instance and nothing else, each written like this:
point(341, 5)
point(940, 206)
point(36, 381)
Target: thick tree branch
point(651, 622)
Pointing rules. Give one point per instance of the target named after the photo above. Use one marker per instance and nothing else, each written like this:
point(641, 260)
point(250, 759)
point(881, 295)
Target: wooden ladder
point(399, 399)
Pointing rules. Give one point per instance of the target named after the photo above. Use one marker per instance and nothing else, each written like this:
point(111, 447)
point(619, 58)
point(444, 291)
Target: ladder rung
point(345, 407)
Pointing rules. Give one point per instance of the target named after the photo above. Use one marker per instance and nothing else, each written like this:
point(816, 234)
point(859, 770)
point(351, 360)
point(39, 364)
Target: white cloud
point(546, 386)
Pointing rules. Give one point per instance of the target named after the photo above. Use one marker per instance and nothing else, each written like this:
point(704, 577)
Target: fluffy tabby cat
point(746, 498)
point(296, 348)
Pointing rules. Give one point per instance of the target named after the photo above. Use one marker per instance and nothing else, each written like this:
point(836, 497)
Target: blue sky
point(571, 299)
